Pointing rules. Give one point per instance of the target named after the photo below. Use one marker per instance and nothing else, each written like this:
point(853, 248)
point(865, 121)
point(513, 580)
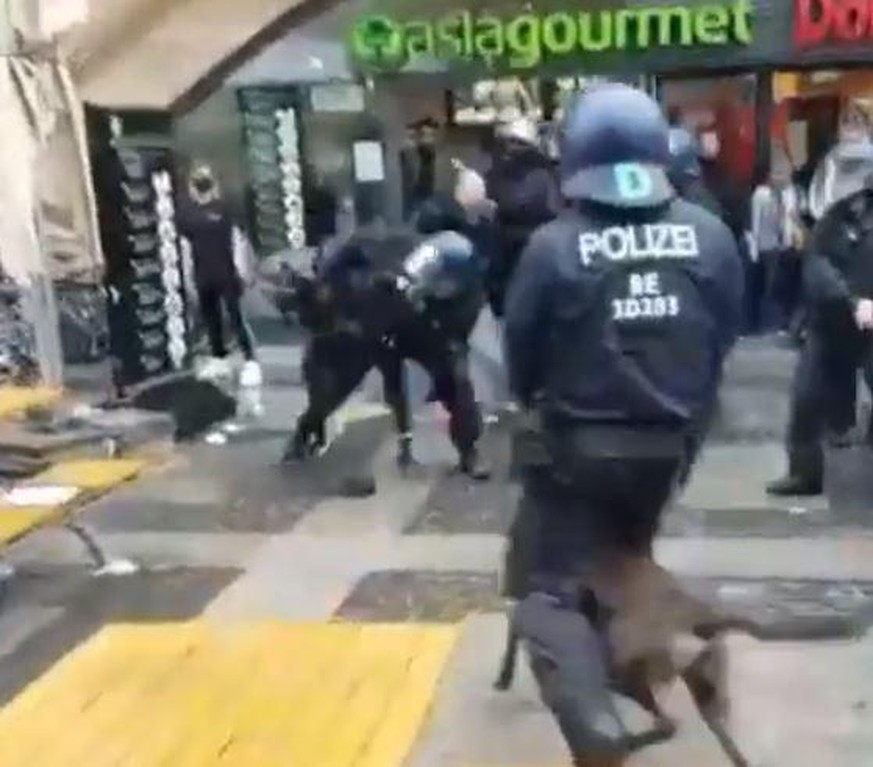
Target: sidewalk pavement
point(427, 547)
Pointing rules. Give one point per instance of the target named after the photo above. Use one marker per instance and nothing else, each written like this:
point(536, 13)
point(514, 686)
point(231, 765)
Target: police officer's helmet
point(684, 157)
point(615, 149)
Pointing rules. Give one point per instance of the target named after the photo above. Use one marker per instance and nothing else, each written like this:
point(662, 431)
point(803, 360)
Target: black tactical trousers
point(560, 530)
point(212, 298)
point(614, 503)
point(336, 364)
point(445, 360)
point(824, 397)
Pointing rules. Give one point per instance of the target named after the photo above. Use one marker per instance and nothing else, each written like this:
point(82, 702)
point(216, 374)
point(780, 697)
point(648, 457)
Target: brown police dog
point(657, 633)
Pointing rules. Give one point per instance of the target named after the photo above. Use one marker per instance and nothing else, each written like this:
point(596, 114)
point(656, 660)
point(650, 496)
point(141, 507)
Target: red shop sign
point(832, 21)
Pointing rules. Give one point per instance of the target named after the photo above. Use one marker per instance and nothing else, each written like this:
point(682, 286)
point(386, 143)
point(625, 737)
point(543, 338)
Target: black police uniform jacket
point(624, 320)
point(838, 266)
point(362, 271)
point(697, 192)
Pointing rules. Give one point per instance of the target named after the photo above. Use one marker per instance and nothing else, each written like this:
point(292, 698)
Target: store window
point(487, 102)
point(809, 108)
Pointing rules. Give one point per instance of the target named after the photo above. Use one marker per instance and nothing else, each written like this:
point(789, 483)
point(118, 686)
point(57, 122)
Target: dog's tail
point(510, 658)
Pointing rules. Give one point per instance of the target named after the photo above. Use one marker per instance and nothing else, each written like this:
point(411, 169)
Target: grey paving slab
point(735, 476)
point(300, 577)
point(457, 505)
point(777, 608)
point(155, 550)
point(471, 725)
point(806, 704)
point(425, 596)
point(239, 487)
point(81, 604)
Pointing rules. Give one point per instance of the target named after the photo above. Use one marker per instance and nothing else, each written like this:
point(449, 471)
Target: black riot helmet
point(615, 149)
point(684, 158)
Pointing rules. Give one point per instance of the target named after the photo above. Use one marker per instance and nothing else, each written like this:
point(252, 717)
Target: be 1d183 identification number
point(645, 308)
point(644, 300)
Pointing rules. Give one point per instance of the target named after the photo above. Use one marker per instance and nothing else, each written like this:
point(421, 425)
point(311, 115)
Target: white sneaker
point(248, 404)
point(251, 374)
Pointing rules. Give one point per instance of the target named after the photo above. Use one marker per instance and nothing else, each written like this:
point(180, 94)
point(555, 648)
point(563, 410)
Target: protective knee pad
point(568, 661)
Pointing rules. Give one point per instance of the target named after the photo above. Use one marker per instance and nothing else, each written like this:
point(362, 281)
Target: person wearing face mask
point(838, 293)
point(214, 246)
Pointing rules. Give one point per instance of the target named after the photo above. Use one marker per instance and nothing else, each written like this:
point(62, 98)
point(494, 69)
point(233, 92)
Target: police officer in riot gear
point(385, 296)
point(618, 320)
point(838, 287)
point(685, 173)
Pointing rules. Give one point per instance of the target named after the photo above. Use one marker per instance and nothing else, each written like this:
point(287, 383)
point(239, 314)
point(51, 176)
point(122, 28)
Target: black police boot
point(805, 473)
point(796, 486)
point(473, 466)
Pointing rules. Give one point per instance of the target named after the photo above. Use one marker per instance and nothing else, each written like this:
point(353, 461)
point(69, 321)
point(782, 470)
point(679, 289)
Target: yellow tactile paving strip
point(268, 695)
point(17, 522)
point(91, 477)
point(15, 400)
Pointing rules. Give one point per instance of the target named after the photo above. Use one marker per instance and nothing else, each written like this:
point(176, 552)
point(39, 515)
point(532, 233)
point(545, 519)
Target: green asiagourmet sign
point(524, 41)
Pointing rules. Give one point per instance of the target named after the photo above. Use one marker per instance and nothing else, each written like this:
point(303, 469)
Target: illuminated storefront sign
point(525, 41)
point(827, 21)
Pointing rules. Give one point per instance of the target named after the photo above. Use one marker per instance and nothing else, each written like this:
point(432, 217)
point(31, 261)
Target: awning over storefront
point(184, 46)
point(175, 52)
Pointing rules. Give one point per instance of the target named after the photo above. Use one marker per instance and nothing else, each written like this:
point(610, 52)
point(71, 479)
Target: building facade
point(337, 106)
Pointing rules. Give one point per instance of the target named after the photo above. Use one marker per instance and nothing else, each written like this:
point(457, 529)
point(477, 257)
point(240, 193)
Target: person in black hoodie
point(523, 185)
